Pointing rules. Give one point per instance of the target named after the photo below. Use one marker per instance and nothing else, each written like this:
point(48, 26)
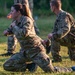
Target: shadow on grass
point(65, 57)
point(2, 73)
point(3, 59)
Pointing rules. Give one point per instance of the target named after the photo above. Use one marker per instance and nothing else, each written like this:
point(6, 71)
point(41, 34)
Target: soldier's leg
point(15, 63)
point(12, 41)
point(64, 69)
point(43, 61)
point(71, 52)
point(32, 67)
point(55, 48)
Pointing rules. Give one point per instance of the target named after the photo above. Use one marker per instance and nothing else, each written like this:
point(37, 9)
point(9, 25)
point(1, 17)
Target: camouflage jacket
point(30, 4)
point(64, 24)
point(25, 33)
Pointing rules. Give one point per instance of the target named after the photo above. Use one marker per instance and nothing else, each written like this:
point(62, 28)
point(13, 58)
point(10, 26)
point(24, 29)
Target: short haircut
point(56, 3)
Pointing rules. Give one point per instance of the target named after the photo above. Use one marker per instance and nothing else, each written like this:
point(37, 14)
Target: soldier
point(31, 46)
point(12, 41)
point(63, 33)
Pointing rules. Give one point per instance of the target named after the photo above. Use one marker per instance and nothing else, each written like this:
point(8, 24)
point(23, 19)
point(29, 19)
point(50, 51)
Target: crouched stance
point(32, 49)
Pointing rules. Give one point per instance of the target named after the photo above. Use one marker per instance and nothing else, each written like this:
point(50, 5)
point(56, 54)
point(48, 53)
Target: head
point(18, 10)
point(55, 5)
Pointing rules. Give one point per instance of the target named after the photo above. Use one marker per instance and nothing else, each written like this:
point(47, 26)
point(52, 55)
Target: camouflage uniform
point(12, 41)
point(63, 34)
point(31, 49)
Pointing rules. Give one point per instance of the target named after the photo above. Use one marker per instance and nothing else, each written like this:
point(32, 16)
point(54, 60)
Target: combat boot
point(32, 67)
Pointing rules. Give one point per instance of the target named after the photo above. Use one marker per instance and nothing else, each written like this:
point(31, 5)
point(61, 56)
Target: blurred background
point(45, 20)
point(41, 7)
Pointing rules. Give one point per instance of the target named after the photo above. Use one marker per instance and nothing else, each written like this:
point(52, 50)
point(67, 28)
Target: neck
point(18, 18)
point(57, 11)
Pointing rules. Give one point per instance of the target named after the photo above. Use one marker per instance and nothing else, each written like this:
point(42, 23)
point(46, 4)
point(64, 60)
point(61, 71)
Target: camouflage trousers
point(17, 63)
point(55, 49)
point(12, 42)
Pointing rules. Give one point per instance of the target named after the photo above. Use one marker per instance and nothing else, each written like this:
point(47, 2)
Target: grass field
point(45, 25)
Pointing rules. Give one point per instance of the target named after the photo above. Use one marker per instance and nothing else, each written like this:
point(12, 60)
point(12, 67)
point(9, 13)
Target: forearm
point(18, 30)
point(61, 32)
point(22, 30)
point(8, 32)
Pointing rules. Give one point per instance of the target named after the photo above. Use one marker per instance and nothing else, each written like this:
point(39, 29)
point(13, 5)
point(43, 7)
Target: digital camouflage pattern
point(63, 34)
point(31, 49)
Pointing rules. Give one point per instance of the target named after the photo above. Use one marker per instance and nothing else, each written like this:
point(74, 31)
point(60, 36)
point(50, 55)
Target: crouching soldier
point(31, 46)
point(63, 33)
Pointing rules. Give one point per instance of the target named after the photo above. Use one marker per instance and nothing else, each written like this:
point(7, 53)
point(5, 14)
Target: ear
point(18, 12)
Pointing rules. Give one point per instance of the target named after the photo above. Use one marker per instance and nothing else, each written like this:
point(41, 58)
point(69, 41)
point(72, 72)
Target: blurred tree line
point(5, 7)
point(41, 7)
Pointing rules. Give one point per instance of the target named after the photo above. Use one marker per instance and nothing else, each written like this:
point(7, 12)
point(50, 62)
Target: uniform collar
point(20, 20)
point(60, 12)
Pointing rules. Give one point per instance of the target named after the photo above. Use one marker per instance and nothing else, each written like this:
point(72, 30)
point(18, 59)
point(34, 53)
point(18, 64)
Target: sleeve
point(25, 29)
point(10, 31)
point(64, 29)
point(36, 28)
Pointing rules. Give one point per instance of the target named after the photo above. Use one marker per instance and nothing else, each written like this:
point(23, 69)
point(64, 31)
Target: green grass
point(45, 25)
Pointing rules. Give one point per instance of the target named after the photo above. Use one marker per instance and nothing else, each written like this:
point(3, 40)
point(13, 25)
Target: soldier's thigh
point(42, 59)
point(15, 63)
point(17, 58)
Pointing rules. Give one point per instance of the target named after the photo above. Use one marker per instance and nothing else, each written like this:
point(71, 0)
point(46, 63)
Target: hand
point(44, 42)
point(50, 35)
point(5, 33)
